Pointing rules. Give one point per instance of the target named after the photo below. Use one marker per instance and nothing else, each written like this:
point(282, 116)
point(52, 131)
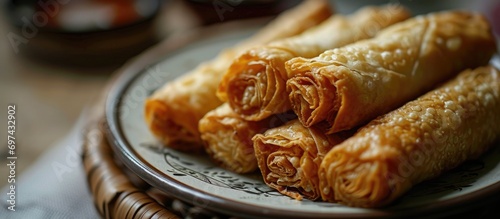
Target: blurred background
point(57, 55)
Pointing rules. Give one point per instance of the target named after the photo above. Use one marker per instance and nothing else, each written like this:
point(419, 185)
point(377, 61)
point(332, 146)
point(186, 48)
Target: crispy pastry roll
point(351, 85)
point(255, 83)
point(228, 138)
point(289, 157)
point(173, 111)
point(419, 141)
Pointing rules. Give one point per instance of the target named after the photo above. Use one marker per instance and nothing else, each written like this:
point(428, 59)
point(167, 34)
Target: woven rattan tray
point(117, 192)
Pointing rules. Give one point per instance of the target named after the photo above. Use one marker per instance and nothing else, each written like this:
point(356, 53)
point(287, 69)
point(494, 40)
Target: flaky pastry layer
point(289, 157)
point(228, 139)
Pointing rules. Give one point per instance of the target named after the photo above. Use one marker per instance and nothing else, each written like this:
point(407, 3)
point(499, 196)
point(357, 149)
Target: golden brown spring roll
point(255, 83)
point(173, 111)
point(228, 138)
point(351, 85)
point(289, 157)
point(419, 141)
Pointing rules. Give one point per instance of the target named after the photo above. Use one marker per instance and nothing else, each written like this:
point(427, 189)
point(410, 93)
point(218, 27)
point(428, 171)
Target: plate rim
point(156, 178)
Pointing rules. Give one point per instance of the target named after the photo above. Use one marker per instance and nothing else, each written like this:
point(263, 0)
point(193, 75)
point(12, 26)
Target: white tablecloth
point(55, 186)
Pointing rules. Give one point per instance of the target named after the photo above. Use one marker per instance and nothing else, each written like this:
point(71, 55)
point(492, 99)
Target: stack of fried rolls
point(366, 79)
point(355, 110)
point(262, 69)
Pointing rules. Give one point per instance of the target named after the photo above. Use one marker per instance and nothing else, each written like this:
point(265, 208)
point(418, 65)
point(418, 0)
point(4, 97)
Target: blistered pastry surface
point(416, 142)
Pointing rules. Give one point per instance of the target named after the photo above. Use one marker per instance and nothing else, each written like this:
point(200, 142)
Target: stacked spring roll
point(289, 157)
point(221, 129)
point(228, 138)
point(351, 85)
point(173, 111)
point(255, 83)
point(419, 141)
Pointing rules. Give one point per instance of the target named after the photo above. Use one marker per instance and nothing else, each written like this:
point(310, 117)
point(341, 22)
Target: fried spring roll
point(351, 85)
point(255, 83)
point(228, 138)
point(419, 141)
point(289, 157)
point(173, 111)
